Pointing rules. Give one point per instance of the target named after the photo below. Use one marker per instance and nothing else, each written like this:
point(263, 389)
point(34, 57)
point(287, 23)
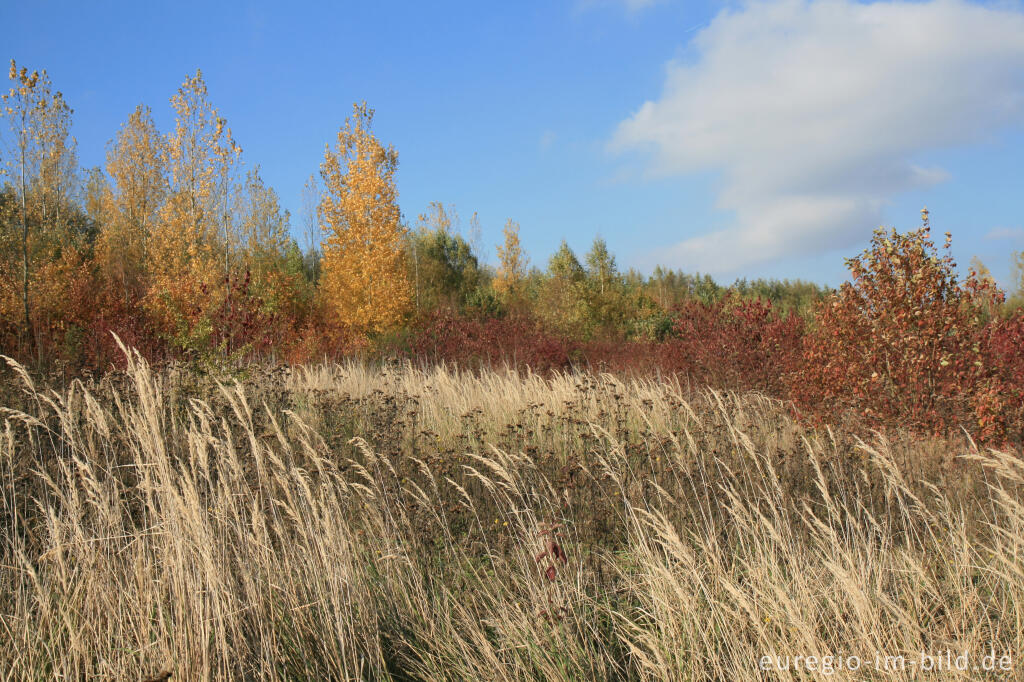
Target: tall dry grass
point(356, 522)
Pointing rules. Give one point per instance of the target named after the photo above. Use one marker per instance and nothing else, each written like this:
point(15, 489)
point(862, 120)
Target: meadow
point(246, 440)
point(396, 521)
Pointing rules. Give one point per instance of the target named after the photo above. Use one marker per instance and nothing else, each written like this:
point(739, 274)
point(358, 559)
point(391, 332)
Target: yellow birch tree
point(22, 105)
point(131, 205)
point(512, 262)
point(44, 166)
point(364, 283)
point(58, 164)
point(194, 236)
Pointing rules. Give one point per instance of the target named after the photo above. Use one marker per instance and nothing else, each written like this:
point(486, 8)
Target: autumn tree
point(58, 165)
point(130, 204)
point(439, 218)
point(272, 255)
point(364, 277)
point(899, 343)
point(561, 300)
point(610, 307)
point(264, 225)
point(982, 272)
point(200, 153)
point(44, 166)
point(564, 264)
point(512, 261)
point(601, 268)
point(22, 106)
point(195, 234)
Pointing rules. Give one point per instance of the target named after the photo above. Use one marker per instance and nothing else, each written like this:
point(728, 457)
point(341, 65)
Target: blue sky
point(756, 139)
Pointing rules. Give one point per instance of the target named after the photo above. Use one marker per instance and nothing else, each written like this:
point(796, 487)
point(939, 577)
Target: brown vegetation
point(386, 522)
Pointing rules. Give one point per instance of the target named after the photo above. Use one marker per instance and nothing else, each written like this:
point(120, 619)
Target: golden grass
point(358, 522)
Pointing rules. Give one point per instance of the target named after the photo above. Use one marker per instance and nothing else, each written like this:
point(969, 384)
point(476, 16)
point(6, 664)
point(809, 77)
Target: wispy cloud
point(636, 5)
point(631, 6)
point(813, 111)
point(1004, 233)
point(547, 138)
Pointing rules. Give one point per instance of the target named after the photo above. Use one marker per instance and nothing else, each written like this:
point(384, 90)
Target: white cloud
point(1001, 233)
point(813, 110)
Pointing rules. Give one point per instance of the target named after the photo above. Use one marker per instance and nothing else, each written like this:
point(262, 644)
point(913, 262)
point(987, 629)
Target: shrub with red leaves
point(239, 323)
point(639, 357)
point(907, 344)
point(123, 315)
point(999, 399)
point(735, 344)
point(518, 341)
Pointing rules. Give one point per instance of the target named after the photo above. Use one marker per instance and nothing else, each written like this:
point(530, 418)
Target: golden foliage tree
point(194, 235)
point(22, 105)
point(364, 282)
point(58, 164)
point(264, 225)
point(131, 205)
point(43, 165)
point(200, 154)
point(512, 261)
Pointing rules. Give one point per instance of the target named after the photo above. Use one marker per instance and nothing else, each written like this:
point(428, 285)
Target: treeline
point(179, 248)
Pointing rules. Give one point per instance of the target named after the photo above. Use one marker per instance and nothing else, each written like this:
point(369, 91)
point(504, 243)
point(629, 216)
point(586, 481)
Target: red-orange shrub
point(735, 344)
point(518, 341)
point(904, 343)
point(642, 357)
point(999, 400)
